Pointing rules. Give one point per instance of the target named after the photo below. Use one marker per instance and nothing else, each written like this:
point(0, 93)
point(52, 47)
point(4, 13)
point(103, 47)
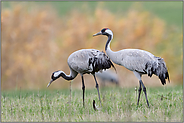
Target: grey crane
point(138, 61)
point(108, 75)
point(84, 61)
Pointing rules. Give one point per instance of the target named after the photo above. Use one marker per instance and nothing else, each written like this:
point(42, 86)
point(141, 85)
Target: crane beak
point(99, 33)
point(50, 83)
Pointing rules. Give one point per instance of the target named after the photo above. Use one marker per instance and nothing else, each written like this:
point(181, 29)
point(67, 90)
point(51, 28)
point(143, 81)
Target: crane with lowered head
point(84, 61)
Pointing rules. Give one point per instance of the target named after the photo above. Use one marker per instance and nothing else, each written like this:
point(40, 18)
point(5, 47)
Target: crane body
point(136, 60)
point(84, 61)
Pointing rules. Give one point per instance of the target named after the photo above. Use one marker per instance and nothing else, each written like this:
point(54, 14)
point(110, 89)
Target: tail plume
point(101, 62)
point(158, 68)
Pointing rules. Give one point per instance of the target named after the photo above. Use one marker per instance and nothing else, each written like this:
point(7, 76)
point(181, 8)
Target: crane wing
point(136, 60)
point(89, 61)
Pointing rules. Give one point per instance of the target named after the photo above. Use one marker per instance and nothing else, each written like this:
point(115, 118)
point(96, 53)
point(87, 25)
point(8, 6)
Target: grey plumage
point(142, 62)
point(84, 61)
point(89, 61)
point(158, 68)
point(138, 61)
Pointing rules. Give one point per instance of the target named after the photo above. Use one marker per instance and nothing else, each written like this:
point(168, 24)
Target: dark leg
point(140, 88)
point(144, 89)
point(97, 89)
point(83, 88)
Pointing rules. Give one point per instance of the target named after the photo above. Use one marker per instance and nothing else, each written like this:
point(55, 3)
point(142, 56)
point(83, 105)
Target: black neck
point(108, 41)
point(66, 77)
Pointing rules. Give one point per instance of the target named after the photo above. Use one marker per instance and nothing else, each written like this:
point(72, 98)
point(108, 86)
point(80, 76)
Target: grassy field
point(32, 26)
point(118, 104)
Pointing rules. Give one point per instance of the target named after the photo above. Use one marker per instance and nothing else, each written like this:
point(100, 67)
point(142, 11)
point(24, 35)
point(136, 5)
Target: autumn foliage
point(36, 41)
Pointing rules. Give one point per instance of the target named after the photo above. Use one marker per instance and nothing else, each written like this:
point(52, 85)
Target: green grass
point(118, 104)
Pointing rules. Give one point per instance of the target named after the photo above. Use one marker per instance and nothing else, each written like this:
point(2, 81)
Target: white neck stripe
point(109, 32)
point(56, 74)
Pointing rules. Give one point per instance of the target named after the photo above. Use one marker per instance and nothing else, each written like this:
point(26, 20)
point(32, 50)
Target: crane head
point(55, 75)
point(104, 31)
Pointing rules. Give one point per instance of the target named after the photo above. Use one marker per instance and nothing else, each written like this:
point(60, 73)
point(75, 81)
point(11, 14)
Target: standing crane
point(84, 61)
point(108, 75)
point(138, 61)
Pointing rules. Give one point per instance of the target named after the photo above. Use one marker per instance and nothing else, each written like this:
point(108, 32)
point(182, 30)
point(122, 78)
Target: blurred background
point(38, 37)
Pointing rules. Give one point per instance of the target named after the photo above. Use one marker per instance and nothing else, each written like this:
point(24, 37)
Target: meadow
point(38, 37)
point(118, 105)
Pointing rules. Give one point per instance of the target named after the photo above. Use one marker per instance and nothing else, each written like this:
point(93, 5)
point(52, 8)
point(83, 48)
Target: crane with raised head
point(136, 60)
point(84, 61)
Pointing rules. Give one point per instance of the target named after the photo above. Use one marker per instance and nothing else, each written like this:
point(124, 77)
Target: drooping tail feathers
point(158, 68)
point(102, 62)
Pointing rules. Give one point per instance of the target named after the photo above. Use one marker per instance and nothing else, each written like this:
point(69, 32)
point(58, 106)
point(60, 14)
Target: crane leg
point(97, 89)
point(144, 89)
point(83, 88)
point(140, 88)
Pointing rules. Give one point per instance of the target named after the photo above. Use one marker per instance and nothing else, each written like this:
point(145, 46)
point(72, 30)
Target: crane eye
point(103, 30)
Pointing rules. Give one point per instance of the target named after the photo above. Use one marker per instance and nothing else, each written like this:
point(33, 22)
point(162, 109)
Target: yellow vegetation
point(37, 42)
